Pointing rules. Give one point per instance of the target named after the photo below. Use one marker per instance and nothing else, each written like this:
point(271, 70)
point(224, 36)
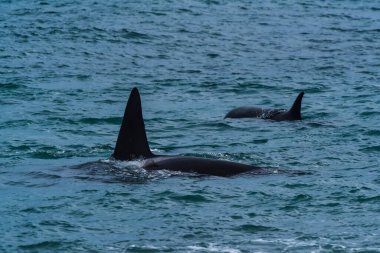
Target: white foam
point(212, 248)
point(124, 164)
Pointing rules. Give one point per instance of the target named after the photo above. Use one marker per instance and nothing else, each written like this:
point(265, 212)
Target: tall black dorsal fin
point(132, 142)
point(295, 112)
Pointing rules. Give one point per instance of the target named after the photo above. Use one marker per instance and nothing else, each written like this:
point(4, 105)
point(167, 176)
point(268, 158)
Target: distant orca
point(132, 144)
point(274, 114)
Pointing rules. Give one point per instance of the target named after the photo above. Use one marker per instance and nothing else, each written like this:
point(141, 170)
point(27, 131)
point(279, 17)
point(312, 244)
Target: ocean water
point(66, 70)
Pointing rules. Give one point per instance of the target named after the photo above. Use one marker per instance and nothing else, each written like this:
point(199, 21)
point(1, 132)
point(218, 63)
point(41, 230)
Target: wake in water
point(111, 171)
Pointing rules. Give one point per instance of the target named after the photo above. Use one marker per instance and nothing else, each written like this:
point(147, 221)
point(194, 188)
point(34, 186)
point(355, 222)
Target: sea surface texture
point(67, 68)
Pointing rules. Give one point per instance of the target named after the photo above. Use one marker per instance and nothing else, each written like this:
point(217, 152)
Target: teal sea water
point(66, 70)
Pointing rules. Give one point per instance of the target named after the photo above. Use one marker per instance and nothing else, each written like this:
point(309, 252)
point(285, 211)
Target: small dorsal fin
point(132, 142)
point(295, 110)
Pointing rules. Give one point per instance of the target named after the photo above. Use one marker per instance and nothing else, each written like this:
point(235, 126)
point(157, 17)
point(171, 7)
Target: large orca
point(294, 113)
point(132, 144)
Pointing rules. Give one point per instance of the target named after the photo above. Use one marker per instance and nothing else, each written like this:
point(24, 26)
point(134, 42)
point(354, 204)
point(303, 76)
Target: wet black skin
point(294, 113)
point(197, 164)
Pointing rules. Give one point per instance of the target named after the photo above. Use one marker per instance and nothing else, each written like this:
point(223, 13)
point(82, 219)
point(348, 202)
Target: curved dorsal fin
point(295, 110)
point(132, 142)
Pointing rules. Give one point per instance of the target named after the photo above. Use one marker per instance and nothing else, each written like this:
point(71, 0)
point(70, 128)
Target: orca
point(294, 113)
point(132, 144)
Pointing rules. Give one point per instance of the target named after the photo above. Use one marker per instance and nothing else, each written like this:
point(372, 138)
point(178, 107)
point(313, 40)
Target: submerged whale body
point(294, 113)
point(132, 144)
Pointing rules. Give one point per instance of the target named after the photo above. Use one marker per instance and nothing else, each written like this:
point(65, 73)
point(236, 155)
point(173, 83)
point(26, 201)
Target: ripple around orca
point(132, 172)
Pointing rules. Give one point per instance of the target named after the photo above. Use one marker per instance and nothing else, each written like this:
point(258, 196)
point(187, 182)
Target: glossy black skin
point(255, 112)
point(294, 113)
point(198, 165)
point(132, 144)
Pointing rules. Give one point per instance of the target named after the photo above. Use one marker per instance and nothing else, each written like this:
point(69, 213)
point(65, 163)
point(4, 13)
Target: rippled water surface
point(66, 70)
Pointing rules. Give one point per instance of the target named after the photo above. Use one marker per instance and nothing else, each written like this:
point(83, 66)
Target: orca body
point(294, 113)
point(132, 144)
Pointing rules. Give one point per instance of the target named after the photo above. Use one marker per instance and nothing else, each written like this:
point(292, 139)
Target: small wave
point(45, 245)
point(36, 150)
point(365, 199)
point(39, 174)
point(125, 33)
point(369, 113)
point(321, 124)
point(296, 185)
point(301, 198)
point(10, 86)
point(109, 120)
point(371, 149)
point(186, 198)
point(43, 209)
point(58, 223)
point(251, 228)
point(17, 123)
